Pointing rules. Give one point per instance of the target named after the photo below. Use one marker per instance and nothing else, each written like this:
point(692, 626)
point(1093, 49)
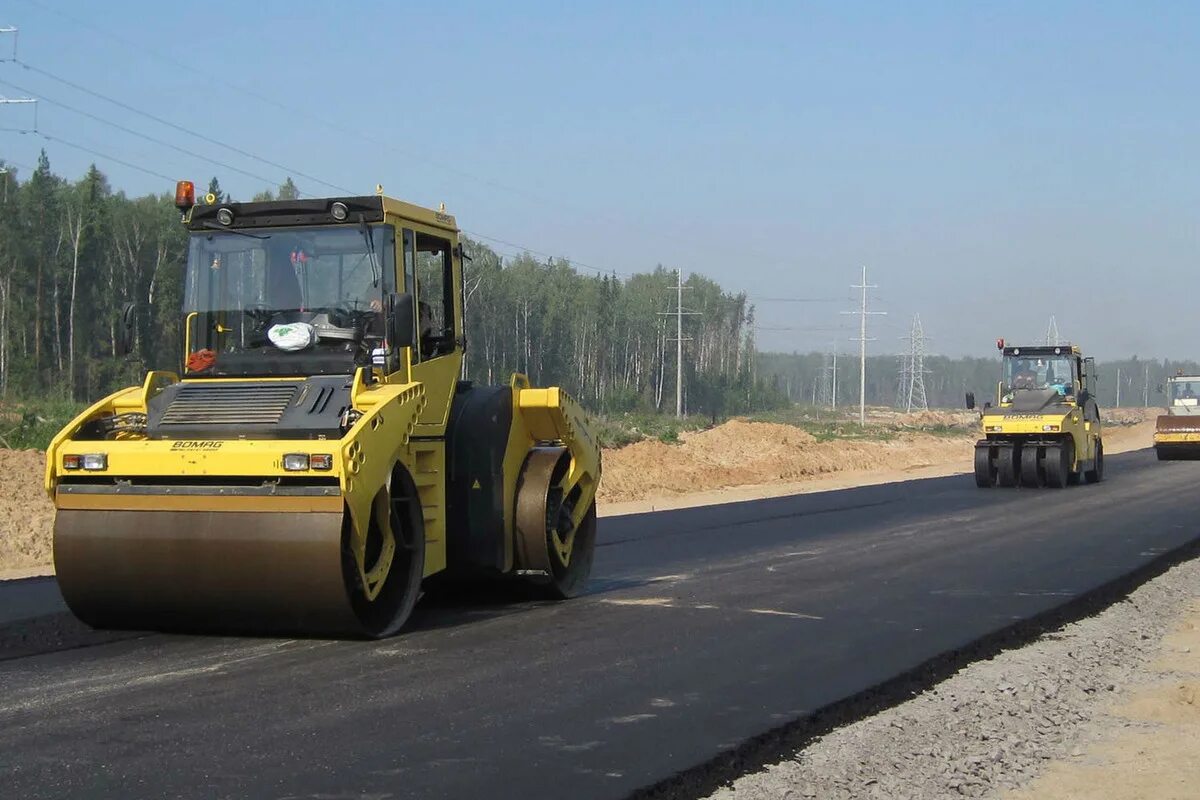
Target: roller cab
point(316, 458)
point(1177, 433)
point(1044, 429)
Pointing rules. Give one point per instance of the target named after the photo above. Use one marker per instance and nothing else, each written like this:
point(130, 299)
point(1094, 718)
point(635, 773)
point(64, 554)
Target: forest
point(73, 252)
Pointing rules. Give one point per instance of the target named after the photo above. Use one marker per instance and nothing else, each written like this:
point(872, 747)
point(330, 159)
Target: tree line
point(807, 378)
point(72, 253)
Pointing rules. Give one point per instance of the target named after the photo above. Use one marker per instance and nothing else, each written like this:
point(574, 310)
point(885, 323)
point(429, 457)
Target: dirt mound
point(740, 453)
point(26, 514)
point(1128, 416)
point(938, 419)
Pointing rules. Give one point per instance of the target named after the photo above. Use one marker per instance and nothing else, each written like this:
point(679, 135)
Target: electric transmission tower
point(1052, 337)
point(912, 373)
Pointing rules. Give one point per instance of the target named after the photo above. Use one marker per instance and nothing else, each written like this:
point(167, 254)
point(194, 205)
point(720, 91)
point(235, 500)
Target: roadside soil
point(753, 460)
point(26, 514)
point(737, 460)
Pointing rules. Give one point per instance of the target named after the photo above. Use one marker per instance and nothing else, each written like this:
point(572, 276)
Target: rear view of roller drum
point(555, 535)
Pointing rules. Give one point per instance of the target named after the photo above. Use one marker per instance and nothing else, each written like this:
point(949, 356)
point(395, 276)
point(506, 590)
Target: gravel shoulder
point(1105, 707)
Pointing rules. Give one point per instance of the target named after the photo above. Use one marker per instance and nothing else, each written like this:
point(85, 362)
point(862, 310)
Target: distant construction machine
point(320, 458)
point(1177, 433)
point(1045, 428)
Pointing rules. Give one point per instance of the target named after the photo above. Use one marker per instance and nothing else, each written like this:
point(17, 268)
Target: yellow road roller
point(1045, 427)
point(317, 458)
point(1177, 433)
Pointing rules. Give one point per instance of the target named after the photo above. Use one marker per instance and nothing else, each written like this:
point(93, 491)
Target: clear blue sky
point(991, 164)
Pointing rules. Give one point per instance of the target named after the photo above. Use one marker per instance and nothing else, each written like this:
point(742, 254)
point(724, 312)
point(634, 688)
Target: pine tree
point(214, 188)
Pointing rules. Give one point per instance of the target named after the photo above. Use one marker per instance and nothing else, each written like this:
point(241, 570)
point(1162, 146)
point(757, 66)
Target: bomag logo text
point(196, 446)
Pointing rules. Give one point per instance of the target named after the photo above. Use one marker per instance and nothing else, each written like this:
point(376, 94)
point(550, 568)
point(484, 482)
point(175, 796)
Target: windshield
point(1040, 373)
point(1184, 392)
point(294, 301)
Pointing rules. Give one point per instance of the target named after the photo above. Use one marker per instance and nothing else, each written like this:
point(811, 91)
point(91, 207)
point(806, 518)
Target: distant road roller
point(1045, 428)
point(1177, 433)
point(317, 457)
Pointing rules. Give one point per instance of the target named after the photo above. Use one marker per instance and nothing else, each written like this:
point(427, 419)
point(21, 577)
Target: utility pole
point(1146, 388)
point(1118, 387)
point(679, 314)
point(862, 340)
point(834, 392)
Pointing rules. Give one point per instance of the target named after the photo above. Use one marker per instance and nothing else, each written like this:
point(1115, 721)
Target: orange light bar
point(185, 195)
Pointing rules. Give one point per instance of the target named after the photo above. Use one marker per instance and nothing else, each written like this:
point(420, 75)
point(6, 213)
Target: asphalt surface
point(703, 628)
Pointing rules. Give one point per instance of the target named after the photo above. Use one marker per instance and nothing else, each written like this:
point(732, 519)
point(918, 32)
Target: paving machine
point(317, 458)
point(1045, 428)
point(1177, 433)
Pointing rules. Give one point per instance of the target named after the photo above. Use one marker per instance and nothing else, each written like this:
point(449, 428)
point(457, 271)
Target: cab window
point(435, 296)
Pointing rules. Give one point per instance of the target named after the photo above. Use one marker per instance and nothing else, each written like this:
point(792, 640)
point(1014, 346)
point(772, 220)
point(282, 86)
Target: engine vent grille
point(231, 404)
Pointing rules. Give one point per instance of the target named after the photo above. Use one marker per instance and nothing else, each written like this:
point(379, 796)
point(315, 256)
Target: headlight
point(1049, 428)
point(339, 211)
point(994, 428)
point(302, 462)
point(225, 216)
point(91, 461)
point(296, 462)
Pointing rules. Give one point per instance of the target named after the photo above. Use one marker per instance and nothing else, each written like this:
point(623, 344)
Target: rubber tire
point(1031, 473)
point(1096, 474)
point(1059, 458)
point(985, 467)
point(1007, 466)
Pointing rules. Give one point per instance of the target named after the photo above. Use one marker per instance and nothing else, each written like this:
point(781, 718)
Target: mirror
point(125, 330)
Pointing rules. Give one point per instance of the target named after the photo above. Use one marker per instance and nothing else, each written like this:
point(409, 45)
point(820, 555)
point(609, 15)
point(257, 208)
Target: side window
point(410, 260)
point(435, 295)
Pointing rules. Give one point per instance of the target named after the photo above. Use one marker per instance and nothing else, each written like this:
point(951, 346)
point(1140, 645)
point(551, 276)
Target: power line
point(181, 128)
point(140, 135)
point(142, 48)
point(543, 254)
point(759, 299)
point(240, 151)
point(100, 154)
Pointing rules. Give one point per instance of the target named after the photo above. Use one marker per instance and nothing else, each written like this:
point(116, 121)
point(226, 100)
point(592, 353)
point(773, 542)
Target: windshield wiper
point(366, 234)
point(212, 226)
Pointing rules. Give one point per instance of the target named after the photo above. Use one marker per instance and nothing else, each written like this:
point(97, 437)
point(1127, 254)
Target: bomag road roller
point(1045, 428)
point(1177, 433)
point(317, 457)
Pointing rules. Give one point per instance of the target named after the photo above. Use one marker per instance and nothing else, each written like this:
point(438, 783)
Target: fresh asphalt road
point(703, 628)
